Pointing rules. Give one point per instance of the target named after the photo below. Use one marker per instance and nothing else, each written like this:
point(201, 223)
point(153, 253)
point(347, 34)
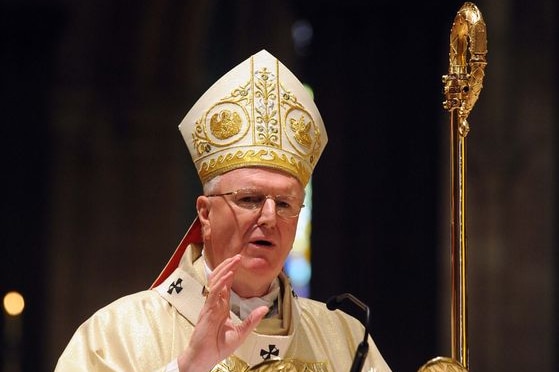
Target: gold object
point(441, 364)
point(234, 364)
point(257, 115)
point(462, 86)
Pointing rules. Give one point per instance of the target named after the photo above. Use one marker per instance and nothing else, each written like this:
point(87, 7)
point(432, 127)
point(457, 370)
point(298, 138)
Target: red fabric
point(193, 235)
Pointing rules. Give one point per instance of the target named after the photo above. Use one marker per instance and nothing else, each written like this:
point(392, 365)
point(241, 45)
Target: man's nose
point(268, 212)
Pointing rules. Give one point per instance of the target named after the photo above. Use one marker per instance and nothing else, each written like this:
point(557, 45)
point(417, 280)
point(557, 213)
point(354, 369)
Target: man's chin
point(255, 268)
point(256, 275)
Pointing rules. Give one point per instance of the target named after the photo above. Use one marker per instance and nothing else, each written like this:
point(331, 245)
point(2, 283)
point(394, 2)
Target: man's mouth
point(262, 242)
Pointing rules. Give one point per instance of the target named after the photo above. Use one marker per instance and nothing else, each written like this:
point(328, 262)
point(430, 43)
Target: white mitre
point(257, 115)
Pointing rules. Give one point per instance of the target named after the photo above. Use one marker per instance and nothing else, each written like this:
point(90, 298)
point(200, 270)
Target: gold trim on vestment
point(234, 364)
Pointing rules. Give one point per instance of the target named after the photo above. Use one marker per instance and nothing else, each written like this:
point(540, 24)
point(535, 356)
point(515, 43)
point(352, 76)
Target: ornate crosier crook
point(462, 86)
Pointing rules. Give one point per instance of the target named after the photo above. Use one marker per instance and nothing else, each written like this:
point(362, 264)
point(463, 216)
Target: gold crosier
point(462, 86)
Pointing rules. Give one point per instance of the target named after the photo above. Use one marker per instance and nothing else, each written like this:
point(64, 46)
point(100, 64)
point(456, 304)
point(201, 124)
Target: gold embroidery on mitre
point(266, 119)
point(248, 127)
point(225, 124)
point(304, 130)
point(301, 129)
point(234, 364)
point(229, 122)
point(251, 157)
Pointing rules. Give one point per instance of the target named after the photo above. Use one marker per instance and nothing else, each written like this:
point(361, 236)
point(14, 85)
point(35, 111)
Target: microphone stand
point(363, 347)
point(360, 356)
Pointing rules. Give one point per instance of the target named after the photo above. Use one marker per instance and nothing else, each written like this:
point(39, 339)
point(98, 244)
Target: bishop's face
point(254, 219)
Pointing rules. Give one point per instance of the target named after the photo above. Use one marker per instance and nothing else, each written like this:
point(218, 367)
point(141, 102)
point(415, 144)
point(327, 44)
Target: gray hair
point(211, 185)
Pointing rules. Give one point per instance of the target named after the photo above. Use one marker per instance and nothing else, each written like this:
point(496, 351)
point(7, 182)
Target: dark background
point(98, 185)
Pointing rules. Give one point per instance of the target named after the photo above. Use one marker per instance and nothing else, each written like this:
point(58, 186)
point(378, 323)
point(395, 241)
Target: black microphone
point(363, 348)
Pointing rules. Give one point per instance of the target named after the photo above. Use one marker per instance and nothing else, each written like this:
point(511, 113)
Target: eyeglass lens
point(286, 206)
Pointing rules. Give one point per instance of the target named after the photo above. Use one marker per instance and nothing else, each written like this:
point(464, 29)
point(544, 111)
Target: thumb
point(252, 320)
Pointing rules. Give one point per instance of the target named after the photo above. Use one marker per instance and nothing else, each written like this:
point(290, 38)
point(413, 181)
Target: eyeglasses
point(286, 206)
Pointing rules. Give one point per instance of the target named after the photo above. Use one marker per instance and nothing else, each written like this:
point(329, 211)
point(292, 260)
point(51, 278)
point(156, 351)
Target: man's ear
point(203, 209)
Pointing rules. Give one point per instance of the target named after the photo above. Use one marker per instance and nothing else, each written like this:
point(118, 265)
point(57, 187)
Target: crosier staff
point(462, 86)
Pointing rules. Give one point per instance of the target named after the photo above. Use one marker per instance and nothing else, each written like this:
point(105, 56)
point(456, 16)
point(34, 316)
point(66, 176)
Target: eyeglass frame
point(266, 197)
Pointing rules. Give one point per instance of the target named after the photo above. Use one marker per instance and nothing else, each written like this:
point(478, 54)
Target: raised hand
point(215, 336)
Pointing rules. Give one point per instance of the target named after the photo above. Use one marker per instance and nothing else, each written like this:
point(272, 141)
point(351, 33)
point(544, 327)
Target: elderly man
point(223, 303)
